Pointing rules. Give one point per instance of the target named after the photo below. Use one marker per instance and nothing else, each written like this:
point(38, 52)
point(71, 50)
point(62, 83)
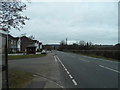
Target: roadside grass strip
point(19, 79)
point(95, 56)
point(25, 56)
point(70, 76)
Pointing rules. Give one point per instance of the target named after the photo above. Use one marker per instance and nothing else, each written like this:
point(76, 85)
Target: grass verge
point(19, 79)
point(94, 56)
point(25, 56)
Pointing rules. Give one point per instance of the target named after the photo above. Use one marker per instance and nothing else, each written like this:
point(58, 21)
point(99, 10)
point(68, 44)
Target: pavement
point(45, 69)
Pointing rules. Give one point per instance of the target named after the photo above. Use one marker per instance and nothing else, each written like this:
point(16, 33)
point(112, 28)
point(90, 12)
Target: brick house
point(26, 42)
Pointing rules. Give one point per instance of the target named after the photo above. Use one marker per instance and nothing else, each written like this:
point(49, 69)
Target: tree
point(10, 16)
point(62, 43)
point(82, 43)
point(32, 37)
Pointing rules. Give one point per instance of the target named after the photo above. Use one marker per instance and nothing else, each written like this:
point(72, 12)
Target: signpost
point(3, 60)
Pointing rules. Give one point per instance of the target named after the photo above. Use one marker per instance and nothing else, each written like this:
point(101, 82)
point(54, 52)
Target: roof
point(26, 38)
point(36, 41)
point(12, 37)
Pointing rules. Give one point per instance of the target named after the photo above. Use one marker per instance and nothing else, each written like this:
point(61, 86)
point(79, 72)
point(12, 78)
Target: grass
point(25, 56)
point(95, 56)
point(19, 79)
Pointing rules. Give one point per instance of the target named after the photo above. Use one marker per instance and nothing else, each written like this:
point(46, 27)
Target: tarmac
point(45, 71)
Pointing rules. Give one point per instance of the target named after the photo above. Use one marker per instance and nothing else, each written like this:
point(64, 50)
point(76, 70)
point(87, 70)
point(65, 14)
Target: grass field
point(25, 56)
point(19, 79)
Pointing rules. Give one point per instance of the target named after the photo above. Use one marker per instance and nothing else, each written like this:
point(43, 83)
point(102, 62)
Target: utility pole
point(66, 41)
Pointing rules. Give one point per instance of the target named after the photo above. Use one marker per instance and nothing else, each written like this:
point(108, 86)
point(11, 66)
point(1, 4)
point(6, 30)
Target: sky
point(51, 22)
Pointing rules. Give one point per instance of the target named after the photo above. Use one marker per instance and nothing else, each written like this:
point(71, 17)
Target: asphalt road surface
point(86, 72)
point(45, 69)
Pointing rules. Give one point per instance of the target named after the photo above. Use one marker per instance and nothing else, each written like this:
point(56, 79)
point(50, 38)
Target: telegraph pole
point(66, 41)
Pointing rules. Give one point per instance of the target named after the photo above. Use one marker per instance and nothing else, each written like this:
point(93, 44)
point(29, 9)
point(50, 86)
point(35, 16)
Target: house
point(40, 46)
point(25, 42)
point(36, 43)
point(12, 44)
point(19, 44)
point(30, 46)
point(22, 44)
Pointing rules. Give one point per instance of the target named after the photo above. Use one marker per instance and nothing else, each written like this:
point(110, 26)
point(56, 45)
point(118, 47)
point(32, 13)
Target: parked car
point(43, 52)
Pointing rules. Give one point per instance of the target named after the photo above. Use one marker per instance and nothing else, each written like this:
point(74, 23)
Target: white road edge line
point(68, 72)
point(73, 80)
point(75, 83)
point(70, 76)
point(55, 59)
point(109, 68)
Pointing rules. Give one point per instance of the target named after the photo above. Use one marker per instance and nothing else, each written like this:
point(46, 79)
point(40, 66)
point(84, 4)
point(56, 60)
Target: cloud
point(90, 21)
point(73, 0)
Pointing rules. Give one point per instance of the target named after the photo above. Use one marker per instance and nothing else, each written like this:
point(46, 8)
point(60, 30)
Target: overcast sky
point(51, 22)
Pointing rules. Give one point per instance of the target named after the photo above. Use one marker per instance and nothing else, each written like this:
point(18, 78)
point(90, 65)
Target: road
point(79, 71)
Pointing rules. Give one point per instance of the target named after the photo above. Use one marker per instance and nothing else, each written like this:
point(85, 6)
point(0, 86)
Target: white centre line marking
point(109, 68)
point(55, 59)
point(85, 60)
point(66, 69)
point(75, 83)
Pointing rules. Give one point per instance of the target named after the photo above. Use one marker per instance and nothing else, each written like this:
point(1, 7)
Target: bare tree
point(82, 43)
point(32, 37)
point(10, 14)
point(62, 42)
